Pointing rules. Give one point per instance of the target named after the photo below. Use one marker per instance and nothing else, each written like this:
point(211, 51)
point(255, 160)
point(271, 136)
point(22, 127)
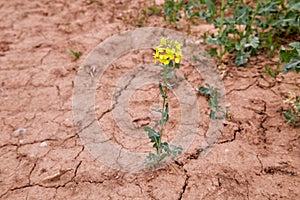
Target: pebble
point(43, 144)
point(19, 131)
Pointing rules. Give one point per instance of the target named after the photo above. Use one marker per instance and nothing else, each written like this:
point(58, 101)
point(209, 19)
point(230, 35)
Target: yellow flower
point(170, 53)
point(167, 51)
point(178, 56)
point(177, 59)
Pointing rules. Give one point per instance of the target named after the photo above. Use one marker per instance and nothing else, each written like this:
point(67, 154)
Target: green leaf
point(205, 90)
point(212, 40)
point(212, 114)
point(239, 46)
point(295, 45)
point(241, 58)
point(268, 7)
point(241, 15)
point(162, 91)
point(170, 65)
point(153, 136)
point(205, 15)
point(74, 53)
point(213, 52)
point(165, 147)
point(287, 55)
point(288, 115)
point(166, 114)
point(294, 5)
point(253, 41)
point(210, 6)
point(294, 64)
point(290, 57)
point(151, 132)
point(148, 129)
point(176, 150)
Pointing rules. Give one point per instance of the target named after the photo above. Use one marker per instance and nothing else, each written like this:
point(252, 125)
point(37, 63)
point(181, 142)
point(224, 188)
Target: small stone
point(19, 131)
point(43, 144)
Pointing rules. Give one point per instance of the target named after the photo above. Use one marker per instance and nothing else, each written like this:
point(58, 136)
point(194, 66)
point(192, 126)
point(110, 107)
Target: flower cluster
point(167, 51)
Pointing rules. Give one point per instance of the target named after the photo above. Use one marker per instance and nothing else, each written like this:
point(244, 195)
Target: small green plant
point(289, 60)
point(154, 10)
point(292, 114)
point(213, 96)
point(290, 57)
point(273, 72)
point(167, 56)
point(74, 53)
point(146, 12)
point(172, 11)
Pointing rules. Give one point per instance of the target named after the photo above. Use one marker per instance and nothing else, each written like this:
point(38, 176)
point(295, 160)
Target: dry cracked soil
point(257, 155)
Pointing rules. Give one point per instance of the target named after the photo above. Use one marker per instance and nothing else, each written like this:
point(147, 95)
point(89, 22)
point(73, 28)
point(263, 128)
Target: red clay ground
point(256, 157)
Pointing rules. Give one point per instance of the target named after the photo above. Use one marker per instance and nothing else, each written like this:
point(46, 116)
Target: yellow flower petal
point(165, 62)
point(163, 42)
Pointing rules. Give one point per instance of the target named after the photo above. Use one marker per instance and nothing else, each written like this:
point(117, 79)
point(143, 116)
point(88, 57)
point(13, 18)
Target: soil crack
point(242, 89)
point(234, 136)
point(186, 182)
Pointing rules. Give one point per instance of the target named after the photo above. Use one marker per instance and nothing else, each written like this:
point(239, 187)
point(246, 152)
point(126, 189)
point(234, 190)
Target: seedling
point(273, 72)
point(154, 10)
point(289, 60)
point(74, 53)
point(213, 96)
point(167, 56)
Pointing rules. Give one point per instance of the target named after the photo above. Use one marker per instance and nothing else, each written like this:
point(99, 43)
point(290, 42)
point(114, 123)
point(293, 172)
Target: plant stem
point(159, 151)
point(162, 116)
point(221, 29)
